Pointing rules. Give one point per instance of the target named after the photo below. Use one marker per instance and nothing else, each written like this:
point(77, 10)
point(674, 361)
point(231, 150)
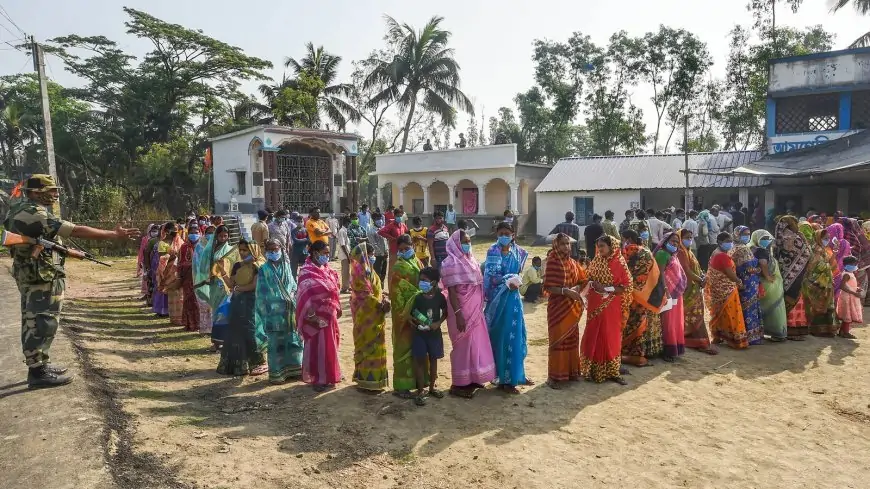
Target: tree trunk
point(408, 123)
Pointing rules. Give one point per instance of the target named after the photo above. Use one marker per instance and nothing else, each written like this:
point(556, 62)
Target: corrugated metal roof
point(649, 171)
point(833, 156)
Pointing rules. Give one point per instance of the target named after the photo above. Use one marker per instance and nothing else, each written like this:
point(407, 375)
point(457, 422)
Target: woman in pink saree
point(318, 308)
point(471, 360)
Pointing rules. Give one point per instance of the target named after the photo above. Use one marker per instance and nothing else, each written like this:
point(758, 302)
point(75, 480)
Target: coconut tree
point(322, 64)
point(422, 71)
point(863, 8)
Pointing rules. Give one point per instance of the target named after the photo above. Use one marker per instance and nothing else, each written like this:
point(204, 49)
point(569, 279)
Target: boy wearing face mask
point(428, 314)
point(533, 277)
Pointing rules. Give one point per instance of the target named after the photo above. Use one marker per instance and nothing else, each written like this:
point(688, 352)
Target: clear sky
point(493, 40)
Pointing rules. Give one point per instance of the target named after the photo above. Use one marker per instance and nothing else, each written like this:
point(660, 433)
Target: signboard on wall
point(790, 142)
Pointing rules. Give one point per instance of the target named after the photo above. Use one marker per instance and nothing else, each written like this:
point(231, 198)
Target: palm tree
point(863, 7)
point(322, 64)
point(422, 71)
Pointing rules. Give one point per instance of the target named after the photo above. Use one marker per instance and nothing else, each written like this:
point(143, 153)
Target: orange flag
point(206, 165)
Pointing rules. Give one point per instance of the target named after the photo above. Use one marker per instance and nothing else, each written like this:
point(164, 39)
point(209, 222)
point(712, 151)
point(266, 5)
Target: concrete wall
point(840, 71)
point(230, 154)
point(552, 206)
point(497, 197)
point(480, 157)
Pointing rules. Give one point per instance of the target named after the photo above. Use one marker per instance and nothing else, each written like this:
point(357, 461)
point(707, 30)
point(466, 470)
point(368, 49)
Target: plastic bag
point(222, 313)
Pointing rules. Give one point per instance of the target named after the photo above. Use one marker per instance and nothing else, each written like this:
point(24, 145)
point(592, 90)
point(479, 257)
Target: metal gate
point(304, 182)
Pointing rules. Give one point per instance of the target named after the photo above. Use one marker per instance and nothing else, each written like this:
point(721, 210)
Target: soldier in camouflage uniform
point(41, 279)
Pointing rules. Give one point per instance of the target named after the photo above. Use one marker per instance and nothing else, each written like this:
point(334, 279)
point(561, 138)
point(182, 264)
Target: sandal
point(624, 371)
point(529, 382)
point(403, 394)
point(668, 359)
point(420, 401)
point(462, 392)
point(318, 387)
point(509, 389)
point(262, 369)
point(436, 394)
point(618, 380)
point(848, 336)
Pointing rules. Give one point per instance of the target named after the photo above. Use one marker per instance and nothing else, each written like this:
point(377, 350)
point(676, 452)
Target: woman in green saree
point(773, 300)
point(818, 286)
point(219, 256)
point(369, 307)
point(276, 314)
point(404, 277)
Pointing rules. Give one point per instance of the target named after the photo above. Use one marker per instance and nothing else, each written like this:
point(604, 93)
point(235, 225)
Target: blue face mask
point(379, 223)
point(671, 248)
point(765, 243)
point(687, 243)
point(826, 242)
point(193, 238)
point(249, 258)
point(322, 259)
point(744, 239)
point(644, 235)
point(466, 248)
point(504, 240)
point(425, 287)
point(273, 255)
point(851, 268)
point(726, 246)
point(399, 219)
point(407, 254)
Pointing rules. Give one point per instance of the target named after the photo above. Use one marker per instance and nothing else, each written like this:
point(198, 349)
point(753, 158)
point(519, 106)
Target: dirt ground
point(791, 415)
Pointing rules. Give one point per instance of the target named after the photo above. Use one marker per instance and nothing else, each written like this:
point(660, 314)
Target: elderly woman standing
point(750, 275)
point(792, 254)
point(564, 278)
point(642, 336)
point(772, 304)
point(218, 257)
point(276, 313)
point(673, 319)
point(609, 302)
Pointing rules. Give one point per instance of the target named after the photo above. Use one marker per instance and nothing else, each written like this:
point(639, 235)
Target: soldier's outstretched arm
point(119, 233)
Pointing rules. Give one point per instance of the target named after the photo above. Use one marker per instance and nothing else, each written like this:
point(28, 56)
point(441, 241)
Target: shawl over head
point(459, 268)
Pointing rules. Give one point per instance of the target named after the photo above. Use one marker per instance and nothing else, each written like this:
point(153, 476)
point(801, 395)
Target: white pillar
point(451, 189)
point(843, 200)
point(380, 196)
point(743, 196)
point(689, 202)
point(481, 199)
point(425, 199)
point(769, 200)
point(401, 196)
point(515, 189)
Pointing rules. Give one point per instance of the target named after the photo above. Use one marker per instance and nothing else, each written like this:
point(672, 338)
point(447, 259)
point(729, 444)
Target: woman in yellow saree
point(818, 286)
point(369, 307)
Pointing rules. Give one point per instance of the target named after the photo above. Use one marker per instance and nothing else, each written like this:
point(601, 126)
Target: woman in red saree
point(673, 321)
point(318, 307)
point(190, 311)
point(642, 336)
point(609, 302)
point(564, 278)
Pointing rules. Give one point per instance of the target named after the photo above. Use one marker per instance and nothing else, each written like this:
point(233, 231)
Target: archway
point(498, 197)
point(466, 197)
point(439, 197)
point(413, 201)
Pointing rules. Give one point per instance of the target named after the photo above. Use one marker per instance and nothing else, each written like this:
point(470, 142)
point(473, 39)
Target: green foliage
point(298, 105)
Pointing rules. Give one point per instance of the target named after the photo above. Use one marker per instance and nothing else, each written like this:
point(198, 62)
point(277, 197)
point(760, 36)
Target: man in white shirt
point(677, 223)
point(658, 228)
point(721, 220)
point(332, 222)
point(344, 254)
point(691, 224)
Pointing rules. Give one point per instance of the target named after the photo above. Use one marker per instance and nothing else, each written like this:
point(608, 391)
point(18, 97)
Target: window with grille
point(861, 109)
point(808, 113)
point(583, 210)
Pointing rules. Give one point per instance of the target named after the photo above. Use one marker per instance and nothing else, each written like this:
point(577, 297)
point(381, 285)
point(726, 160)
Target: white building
point(285, 168)
point(594, 185)
point(481, 182)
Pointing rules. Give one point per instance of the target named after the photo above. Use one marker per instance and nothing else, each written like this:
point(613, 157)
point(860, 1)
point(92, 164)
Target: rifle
point(11, 239)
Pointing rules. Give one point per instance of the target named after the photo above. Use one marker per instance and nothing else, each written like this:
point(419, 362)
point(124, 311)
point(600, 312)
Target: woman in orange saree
point(722, 297)
point(564, 278)
point(696, 333)
point(609, 301)
point(642, 336)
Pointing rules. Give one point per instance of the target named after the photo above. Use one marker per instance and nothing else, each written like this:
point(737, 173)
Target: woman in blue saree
point(504, 309)
point(749, 272)
point(276, 312)
point(217, 259)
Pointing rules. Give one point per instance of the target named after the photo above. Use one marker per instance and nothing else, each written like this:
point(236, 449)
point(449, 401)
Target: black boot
point(56, 369)
point(42, 376)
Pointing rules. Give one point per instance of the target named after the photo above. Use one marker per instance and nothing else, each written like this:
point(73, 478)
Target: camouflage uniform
point(41, 280)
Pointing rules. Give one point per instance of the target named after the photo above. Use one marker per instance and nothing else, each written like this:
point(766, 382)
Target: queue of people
point(270, 308)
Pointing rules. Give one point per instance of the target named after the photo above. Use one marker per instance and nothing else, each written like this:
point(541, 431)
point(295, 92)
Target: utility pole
point(39, 67)
point(689, 201)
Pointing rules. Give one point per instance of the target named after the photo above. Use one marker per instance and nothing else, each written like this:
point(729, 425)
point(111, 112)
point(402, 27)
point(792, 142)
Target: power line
point(5, 14)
